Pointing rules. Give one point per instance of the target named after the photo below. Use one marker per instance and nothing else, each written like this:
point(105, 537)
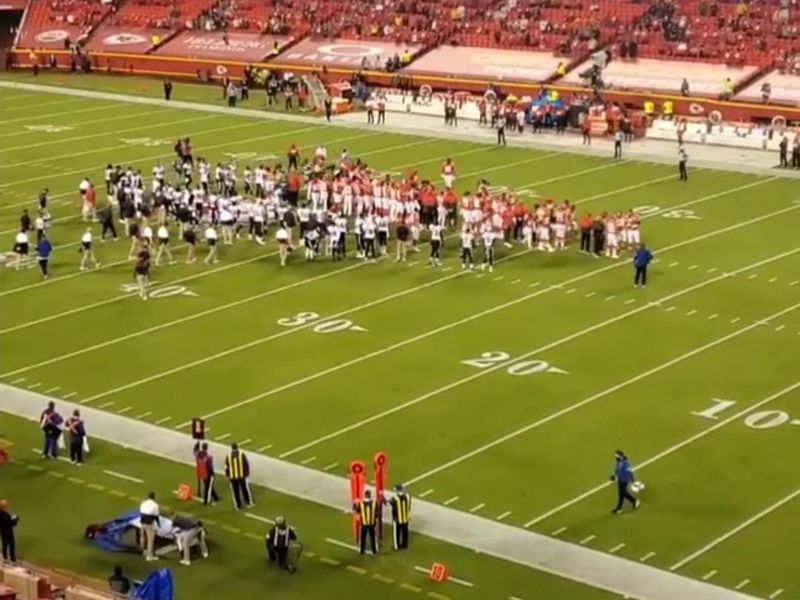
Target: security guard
point(401, 517)
point(77, 438)
point(667, 110)
point(237, 470)
point(278, 540)
point(367, 515)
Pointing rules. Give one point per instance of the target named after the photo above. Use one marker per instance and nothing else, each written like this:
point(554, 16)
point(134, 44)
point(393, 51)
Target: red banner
point(342, 53)
point(245, 47)
point(50, 37)
point(485, 63)
point(120, 39)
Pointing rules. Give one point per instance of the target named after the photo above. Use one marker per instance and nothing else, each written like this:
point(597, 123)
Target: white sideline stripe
point(250, 515)
point(484, 535)
point(449, 501)
point(342, 544)
point(593, 398)
point(726, 536)
point(477, 507)
point(455, 580)
point(123, 476)
point(687, 441)
point(426, 493)
point(451, 325)
point(502, 516)
point(58, 114)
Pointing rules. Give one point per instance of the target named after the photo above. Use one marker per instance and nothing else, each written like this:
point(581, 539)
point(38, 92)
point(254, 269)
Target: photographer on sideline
point(279, 539)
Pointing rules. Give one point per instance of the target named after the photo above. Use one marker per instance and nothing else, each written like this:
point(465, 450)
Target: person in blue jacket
point(44, 249)
point(641, 259)
point(623, 475)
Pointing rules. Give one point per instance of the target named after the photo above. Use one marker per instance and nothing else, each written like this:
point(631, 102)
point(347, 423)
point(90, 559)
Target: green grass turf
point(237, 565)
point(639, 363)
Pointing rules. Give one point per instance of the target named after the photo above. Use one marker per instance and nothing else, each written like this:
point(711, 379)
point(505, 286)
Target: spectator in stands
point(685, 87)
point(766, 91)
point(119, 583)
point(561, 69)
point(727, 89)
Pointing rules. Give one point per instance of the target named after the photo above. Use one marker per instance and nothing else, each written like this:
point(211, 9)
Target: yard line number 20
point(763, 419)
point(494, 358)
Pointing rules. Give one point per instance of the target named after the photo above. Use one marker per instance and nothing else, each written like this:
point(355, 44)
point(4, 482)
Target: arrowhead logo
point(557, 370)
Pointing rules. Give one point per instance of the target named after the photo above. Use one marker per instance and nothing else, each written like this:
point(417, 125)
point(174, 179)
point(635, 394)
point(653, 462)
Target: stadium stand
point(53, 23)
point(160, 14)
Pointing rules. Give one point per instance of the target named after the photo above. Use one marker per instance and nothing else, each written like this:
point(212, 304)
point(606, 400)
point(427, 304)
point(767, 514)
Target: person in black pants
point(623, 475)
point(586, 233)
point(683, 158)
point(598, 236)
point(167, 89)
point(328, 108)
point(501, 131)
point(8, 521)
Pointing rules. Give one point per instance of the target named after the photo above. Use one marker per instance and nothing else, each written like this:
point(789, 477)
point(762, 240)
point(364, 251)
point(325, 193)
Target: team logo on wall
point(350, 50)
point(124, 39)
point(52, 35)
point(696, 109)
point(221, 70)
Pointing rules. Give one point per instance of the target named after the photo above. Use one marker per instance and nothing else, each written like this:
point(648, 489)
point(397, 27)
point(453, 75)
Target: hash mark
point(516, 281)
point(51, 390)
point(224, 436)
point(330, 466)
point(498, 278)
point(775, 594)
point(449, 501)
point(587, 539)
point(559, 531)
point(426, 493)
point(533, 285)
point(790, 285)
point(310, 459)
point(107, 404)
point(477, 507)
point(589, 295)
point(741, 584)
point(610, 298)
point(691, 312)
point(712, 317)
point(736, 319)
point(692, 267)
point(752, 276)
point(711, 270)
point(33, 386)
point(630, 301)
point(70, 395)
point(709, 575)
point(144, 414)
point(773, 280)
point(16, 381)
point(164, 420)
point(617, 548)
point(263, 448)
point(571, 291)
point(780, 327)
point(647, 556)
point(674, 264)
point(670, 308)
point(502, 516)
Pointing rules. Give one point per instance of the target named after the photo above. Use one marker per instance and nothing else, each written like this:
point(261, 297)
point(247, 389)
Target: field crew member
point(44, 249)
point(8, 521)
point(149, 513)
point(237, 469)
point(366, 510)
point(683, 158)
point(623, 475)
point(401, 517)
point(204, 466)
point(641, 259)
point(77, 438)
point(87, 253)
point(278, 540)
point(50, 422)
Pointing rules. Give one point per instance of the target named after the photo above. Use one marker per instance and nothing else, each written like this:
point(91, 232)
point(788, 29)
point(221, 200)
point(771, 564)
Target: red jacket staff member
point(204, 465)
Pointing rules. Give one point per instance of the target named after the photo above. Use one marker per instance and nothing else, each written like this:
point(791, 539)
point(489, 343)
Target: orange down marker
point(439, 572)
point(185, 492)
point(358, 480)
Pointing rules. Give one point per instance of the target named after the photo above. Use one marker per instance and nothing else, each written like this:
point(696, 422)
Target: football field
point(501, 394)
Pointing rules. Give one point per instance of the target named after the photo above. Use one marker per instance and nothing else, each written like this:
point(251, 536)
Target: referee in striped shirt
point(401, 517)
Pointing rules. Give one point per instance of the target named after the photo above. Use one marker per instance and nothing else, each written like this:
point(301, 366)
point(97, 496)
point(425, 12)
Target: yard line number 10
point(763, 419)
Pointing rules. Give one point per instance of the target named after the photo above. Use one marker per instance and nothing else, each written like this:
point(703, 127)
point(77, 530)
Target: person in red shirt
point(427, 197)
point(204, 466)
point(586, 233)
point(451, 206)
point(90, 204)
point(294, 182)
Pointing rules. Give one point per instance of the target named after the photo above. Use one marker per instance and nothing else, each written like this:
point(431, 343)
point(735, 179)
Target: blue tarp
point(158, 586)
point(110, 535)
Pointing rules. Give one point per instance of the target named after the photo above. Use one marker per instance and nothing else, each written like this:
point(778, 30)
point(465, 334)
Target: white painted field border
point(453, 324)
point(505, 364)
point(61, 114)
point(680, 445)
point(729, 534)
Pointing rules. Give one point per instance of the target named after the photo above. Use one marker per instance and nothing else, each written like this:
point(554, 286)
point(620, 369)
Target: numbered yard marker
point(324, 326)
point(166, 291)
point(649, 210)
point(144, 141)
point(518, 368)
point(764, 419)
point(47, 128)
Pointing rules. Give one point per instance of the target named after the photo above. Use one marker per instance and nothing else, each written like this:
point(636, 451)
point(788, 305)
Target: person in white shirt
point(87, 253)
point(436, 245)
point(368, 239)
point(467, 238)
point(21, 249)
point(282, 237)
point(149, 514)
point(163, 245)
point(211, 239)
point(40, 225)
point(488, 238)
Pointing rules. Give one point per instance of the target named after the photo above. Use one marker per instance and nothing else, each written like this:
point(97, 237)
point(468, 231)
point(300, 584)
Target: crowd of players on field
point(325, 200)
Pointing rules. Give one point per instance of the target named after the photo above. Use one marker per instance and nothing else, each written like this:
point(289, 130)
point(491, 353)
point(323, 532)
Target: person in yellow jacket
point(649, 108)
point(667, 110)
point(561, 69)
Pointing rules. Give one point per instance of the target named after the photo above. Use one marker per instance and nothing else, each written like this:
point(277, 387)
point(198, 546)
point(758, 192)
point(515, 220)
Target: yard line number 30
point(763, 419)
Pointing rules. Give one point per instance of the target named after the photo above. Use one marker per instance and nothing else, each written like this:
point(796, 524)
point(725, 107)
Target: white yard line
point(680, 445)
point(591, 399)
point(726, 536)
point(123, 476)
point(438, 330)
point(256, 517)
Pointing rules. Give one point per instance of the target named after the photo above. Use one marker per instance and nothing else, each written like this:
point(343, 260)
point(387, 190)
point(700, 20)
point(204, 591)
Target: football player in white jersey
point(382, 225)
point(436, 245)
point(283, 239)
point(87, 252)
point(612, 237)
point(467, 240)
point(163, 245)
point(211, 240)
point(488, 238)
